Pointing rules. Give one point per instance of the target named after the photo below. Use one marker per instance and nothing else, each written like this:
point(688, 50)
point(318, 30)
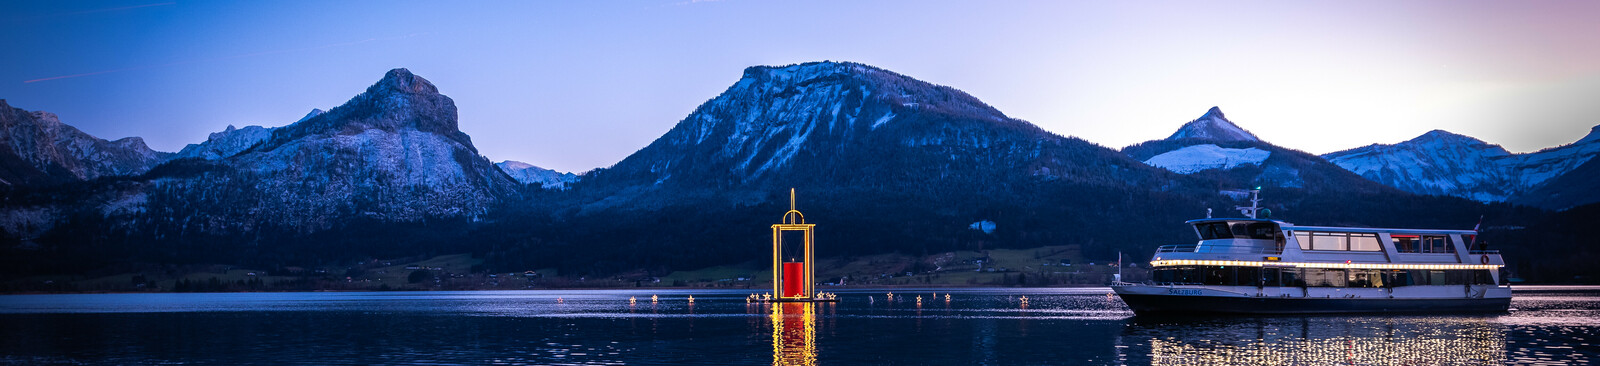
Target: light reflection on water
point(977, 326)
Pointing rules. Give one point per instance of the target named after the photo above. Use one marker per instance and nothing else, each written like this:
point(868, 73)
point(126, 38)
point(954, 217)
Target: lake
point(995, 326)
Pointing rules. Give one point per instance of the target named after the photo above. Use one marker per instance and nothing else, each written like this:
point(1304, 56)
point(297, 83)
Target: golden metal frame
point(793, 221)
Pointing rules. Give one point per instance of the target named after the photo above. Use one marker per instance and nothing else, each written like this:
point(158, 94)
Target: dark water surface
point(1548, 325)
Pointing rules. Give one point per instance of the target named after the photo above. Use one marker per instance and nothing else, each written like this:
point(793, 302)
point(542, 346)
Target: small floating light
point(652, 299)
point(632, 300)
point(691, 299)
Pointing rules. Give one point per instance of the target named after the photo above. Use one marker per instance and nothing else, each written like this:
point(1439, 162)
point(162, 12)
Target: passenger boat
point(1263, 266)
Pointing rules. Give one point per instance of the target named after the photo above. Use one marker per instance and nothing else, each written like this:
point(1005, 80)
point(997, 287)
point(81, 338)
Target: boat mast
point(1255, 203)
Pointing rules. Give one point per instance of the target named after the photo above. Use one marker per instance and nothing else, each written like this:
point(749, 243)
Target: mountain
point(1436, 163)
point(1213, 126)
point(840, 124)
point(529, 174)
point(37, 149)
point(1212, 148)
point(884, 162)
point(391, 154)
point(1444, 163)
point(232, 140)
point(1579, 186)
point(226, 143)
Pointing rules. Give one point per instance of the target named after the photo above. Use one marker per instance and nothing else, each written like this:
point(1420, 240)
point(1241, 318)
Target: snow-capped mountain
point(391, 154)
point(1437, 163)
point(1217, 149)
point(838, 124)
point(530, 174)
point(233, 140)
point(36, 148)
point(1444, 163)
point(1213, 126)
point(226, 143)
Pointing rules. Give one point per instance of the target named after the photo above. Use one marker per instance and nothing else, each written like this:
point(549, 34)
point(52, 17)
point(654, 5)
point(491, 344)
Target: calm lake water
point(1548, 325)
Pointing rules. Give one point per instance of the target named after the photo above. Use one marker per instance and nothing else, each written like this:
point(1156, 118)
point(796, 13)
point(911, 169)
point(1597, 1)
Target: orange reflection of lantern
point(794, 333)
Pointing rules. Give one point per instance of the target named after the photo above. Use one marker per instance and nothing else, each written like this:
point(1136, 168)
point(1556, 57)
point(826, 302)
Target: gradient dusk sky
point(575, 85)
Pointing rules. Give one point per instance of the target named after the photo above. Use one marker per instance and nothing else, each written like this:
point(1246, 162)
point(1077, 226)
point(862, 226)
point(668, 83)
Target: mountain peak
point(807, 71)
point(403, 80)
point(1444, 136)
point(314, 112)
point(400, 101)
point(530, 174)
point(1213, 126)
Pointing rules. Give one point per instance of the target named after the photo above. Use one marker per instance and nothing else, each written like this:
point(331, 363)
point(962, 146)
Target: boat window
point(1271, 277)
point(1293, 277)
point(1262, 230)
point(1365, 242)
point(1219, 276)
point(1437, 244)
point(1249, 276)
point(1405, 243)
point(1316, 240)
point(1482, 277)
point(1328, 241)
point(1396, 278)
point(1214, 230)
point(1422, 243)
point(1364, 278)
point(1317, 277)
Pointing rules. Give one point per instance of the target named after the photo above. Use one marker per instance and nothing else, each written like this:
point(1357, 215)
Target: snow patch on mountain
point(530, 174)
point(1213, 126)
point(1196, 158)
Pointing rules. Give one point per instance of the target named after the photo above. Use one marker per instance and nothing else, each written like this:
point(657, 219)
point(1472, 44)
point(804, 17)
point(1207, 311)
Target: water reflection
point(1320, 340)
point(977, 326)
point(794, 333)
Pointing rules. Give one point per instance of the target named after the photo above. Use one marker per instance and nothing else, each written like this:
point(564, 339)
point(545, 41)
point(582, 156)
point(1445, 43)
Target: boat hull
point(1171, 305)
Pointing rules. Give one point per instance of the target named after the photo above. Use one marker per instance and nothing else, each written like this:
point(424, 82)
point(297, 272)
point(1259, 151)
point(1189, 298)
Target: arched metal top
point(793, 217)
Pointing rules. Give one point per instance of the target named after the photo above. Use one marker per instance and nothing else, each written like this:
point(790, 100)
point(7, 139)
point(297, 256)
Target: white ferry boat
point(1260, 266)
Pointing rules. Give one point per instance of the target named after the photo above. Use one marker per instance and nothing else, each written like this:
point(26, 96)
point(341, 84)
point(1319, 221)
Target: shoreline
point(1543, 287)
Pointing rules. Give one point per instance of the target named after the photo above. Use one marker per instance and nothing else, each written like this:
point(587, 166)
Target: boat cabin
point(1363, 256)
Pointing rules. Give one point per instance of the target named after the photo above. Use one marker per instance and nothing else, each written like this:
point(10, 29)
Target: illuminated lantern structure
point(792, 269)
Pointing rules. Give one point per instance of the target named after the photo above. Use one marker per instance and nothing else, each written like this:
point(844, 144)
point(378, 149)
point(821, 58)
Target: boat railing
point(1484, 251)
point(1216, 248)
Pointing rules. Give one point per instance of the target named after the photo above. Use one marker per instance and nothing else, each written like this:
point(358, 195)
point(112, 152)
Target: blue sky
point(576, 85)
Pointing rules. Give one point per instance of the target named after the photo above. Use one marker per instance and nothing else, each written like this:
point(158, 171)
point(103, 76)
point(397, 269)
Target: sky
point(576, 85)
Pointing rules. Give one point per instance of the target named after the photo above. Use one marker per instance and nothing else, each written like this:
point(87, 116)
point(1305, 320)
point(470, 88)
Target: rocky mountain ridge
point(37, 148)
point(1444, 163)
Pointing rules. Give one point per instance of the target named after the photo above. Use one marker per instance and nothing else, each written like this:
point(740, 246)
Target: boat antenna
point(1255, 203)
